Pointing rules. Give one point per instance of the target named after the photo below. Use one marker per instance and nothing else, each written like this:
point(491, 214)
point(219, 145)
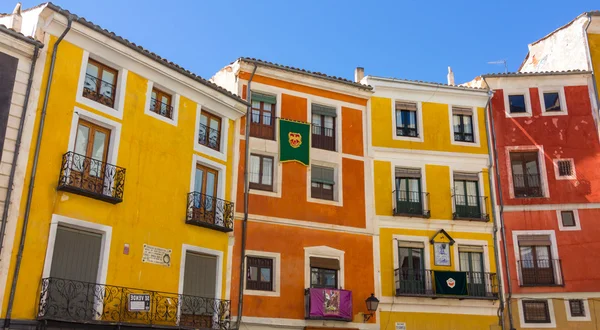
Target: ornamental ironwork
point(421, 283)
point(411, 203)
point(99, 90)
point(161, 108)
point(470, 207)
point(91, 177)
point(208, 211)
point(209, 137)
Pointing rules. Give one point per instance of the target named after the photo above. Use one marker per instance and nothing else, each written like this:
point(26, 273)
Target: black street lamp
point(372, 303)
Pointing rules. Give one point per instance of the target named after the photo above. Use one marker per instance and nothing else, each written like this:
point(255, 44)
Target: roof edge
point(533, 74)
point(429, 84)
point(21, 36)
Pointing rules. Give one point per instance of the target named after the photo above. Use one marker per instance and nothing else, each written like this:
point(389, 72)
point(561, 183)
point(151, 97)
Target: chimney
point(359, 73)
point(15, 19)
point(450, 76)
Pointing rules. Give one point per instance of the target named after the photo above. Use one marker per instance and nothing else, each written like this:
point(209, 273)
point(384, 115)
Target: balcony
point(210, 212)
point(92, 178)
point(161, 108)
point(463, 137)
point(262, 126)
point(323, 137)
point(543, 272)
point(470, 208)
point(90, 303)
point(527, 185)
point(407, 131)
point(99, 90)
point(328, 304)
point(209, 137)
point(466, 285)
point(411, 203)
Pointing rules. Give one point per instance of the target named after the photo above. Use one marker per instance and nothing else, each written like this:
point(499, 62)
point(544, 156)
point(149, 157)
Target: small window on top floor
point(552, 101)
point(406, 119)
point(161, 103)
point(517, 103)
point(462, 119)
point(100, 83)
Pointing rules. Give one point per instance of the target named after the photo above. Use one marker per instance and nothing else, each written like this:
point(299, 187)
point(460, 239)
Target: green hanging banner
point(450, 283)
point(294, 141)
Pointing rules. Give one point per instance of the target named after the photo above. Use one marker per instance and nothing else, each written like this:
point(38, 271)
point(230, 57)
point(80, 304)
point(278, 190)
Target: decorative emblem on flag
point(295, 139)
point(451, 282)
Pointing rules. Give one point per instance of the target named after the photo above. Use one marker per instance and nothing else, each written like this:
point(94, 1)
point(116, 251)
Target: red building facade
point(545, 128)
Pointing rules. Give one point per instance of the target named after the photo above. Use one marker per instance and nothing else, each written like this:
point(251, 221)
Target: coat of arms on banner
point(295, 139)
point(451, 282)
point(331, 301)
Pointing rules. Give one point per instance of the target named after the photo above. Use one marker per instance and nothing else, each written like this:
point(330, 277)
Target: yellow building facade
point(432, 205)
point(131, 215)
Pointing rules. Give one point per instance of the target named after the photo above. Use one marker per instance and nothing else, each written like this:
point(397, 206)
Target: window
point(517, 103)
point(552, 101)
point(408, 195)
point(324, 272)
point(412, 273)
point(466, 195)
point(100, 83)
point(262, 123)
point(259, 274)
point(462, 119)
point(261, 172)
point(525, 174)
point(567, 218)
point(89, 162)
point(322, 182)
point(565, 167)
point(536, 311)
point(160, 103)
point(406, 119)
point(209, 132)
point(323, 127)
point(536, 264)
point(577, 308)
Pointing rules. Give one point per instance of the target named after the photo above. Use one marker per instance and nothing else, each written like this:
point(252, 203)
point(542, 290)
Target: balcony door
point(536, 265)
point(471, 262)
point(198, 306)
point(205, 183)
point(466, 197)
point(88, 164)
point(412, 270)
point(408, 196)
point(526, 174)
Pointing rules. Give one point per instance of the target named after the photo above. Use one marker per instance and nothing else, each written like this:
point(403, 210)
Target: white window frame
point(338, 121)
point(575, 218)
point(117, 111)
point(480, 186)
point(220, 168)
point(562, 100)
point(521, 91)
point(202, 250)
point(586, 308)
point(471, 242)
point(276, 276)
point(277, 175)
point(222, 153)
point(272, 91)
point(406, 238)
point(323, 252)
point(553, 248)
point(415, 165)
point(474, 120)
point(542, 169)
point(420, 132)
point(573, 176)
point(338, 198)
point(552, 323)
point(174, 103)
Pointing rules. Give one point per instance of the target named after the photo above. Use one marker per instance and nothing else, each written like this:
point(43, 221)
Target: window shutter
point(462, 111)
point(322, 174)
point(406, 106)
point(407, 244)
point(326, 263)
point(466, 176)
point(403, 172)
point(323, 110)
point(470, 248)
point(257, 97)
point(527, 240)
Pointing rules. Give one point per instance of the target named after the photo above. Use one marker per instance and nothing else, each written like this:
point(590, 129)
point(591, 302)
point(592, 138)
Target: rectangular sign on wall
point(156, 255)
point(400, 325)
point(139, 302)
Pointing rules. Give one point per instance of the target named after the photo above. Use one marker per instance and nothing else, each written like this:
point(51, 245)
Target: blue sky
point(402, 38)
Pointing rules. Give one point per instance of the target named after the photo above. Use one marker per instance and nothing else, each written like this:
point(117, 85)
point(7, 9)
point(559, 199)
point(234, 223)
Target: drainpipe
point(13, 167)
point(501, 214)
point(246, 195)
point(13, 288)
point(493, 203)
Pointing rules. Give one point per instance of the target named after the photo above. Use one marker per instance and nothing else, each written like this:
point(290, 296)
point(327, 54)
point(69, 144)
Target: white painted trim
point(438, 305)
point(420, 133)
point(435, 156)
point(338, 187)
point(117, 111)
point(520, 91)
point(202, 250)
point(551, 207)
point(229, 266)
point(323, 252)
point(557, 295)
point(174, 103)
point(408, 238)
point(575, 218)
point(474, 121)
point(410, 164)
point(222, 153)
point(313, 99)
point(113, 126)
point(221, 171)
point(552, 323)
point(561, 98)
point(573, 176)
point(276, 277)
point(105, 231)
point(542, 169)
point(472, 242)
point(586, 309)
point(553, 248)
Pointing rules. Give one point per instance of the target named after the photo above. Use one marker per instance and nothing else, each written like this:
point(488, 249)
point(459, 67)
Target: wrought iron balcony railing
point(262, 126)
point(210, 212)
point(527, 185)
point(209, 137)
point(411, 203)
point(407, 131)
point(421, 283)
point(470, 207)
point(99, 90)
point(328, 304)
point(323, 137)
point(541, 272)
point(71, 301)
point(161, 108)
point(90, 177)
point(464, 137)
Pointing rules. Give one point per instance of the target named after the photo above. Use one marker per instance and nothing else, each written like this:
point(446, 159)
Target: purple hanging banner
point(331, 304)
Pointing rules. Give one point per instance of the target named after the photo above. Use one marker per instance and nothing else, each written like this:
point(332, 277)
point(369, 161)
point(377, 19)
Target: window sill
point(407, 138)
point(555, 113)
point(254, 191)
point(100, 107)
point(518, 114)
point(324, 201)
point(160, 117)
point(261, 293)
point(200, 148)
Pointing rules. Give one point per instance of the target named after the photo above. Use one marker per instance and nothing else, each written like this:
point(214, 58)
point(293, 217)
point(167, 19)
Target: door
point(87, 170)
point(412, 273)
point(210, 131)
point(408, 192)
point(73, 291)
point(199, 309)
point(472, 263)
point(206, 181)
point(526, 175)
point(466, 197)
point(536, 265)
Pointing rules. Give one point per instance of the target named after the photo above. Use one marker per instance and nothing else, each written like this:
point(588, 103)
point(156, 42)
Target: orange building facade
point(309, 238)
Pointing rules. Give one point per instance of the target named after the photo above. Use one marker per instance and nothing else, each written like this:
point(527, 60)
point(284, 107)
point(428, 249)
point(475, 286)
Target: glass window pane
point(316, 120)
point(81, 141)
point(267, 106)
point(267, 171)
point(255, 104)
point(92, 70)
point(526, 256)
point(266, 118)
point(214, 124)
point(399, 122)
point(568, 219)
point(456, 123)
point(552, 102)
point(203, 120)
point(108, 82)
point(403, 252)
point(472, 188)
point(417, 255)
point(328, 122)
point(154, 95)
point(198, 179)
point(412, 119)
point(98, 147)
point(464, 261)
point(253, 273)
point(255, 116)
point(517, 103)
point(265, 275)
point(476, 262)
point(468, 125)
point(459, 187)
point(254, 170)
point(210, 184)
point(413, 185)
